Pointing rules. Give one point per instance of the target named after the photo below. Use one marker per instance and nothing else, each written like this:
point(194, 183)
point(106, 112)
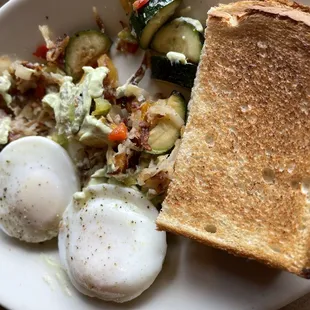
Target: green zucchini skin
point(164, 135)
point(179, 36)
point(150, 18)
point(83, 49)
point(176, 73)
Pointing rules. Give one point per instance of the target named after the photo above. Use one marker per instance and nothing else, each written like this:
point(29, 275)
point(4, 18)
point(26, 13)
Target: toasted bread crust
point(242, 175)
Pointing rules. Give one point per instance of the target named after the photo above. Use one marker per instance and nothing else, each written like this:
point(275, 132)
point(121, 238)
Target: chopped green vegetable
point(151, 17)
point(103, 107)
point(94, 132)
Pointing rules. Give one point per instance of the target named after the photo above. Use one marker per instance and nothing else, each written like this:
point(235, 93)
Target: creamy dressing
point(175, 57)
point(72, 103)
point(129, 90)
point(195, 22)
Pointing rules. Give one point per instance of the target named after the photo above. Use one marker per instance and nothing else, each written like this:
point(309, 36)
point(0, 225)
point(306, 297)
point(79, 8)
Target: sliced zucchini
point(180, 35)
point(164, 135)
point(177, 73)
point(177, 102)
point(83, 49)
point(151, 17)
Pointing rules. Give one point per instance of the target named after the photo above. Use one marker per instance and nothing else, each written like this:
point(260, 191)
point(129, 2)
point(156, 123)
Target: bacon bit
point(144, 136)
point(159, 182)
point(98, 20)
point(121, 162)
point(57, 52)
point(41, 51)
point(132, 47)
point(30, 65)
point(139, 4)
point(119, 133)
point(40, 91)
point(127, 47)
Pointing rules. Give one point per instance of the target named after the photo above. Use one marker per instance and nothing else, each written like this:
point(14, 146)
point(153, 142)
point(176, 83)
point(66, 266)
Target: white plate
point(194, 276)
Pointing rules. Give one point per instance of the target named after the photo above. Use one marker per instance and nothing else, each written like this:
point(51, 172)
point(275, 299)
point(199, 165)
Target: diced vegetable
point(112, 78)
point(103, 107)
point(94, 132)
point(164, 135)
point(139, 4)
point(147, 20)
point(177, 73)
point(41, 51)
point(119, 133)
point(83, 49)
point(40, 91)
point(177, 102)
point(180, 35)
point(127, 42)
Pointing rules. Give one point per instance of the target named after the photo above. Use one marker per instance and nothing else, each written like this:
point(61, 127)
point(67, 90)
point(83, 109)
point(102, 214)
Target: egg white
point(37, 181)
point(108, 243)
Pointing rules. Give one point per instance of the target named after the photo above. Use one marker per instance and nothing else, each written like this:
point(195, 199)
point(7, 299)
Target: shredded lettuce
point(73, 101)
point(94, 132)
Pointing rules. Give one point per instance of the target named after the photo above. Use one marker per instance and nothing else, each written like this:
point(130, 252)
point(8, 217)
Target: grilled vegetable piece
point(84, 49)
point(165, 70)
point(180, 35)
point(164, 135)
point(147, 20)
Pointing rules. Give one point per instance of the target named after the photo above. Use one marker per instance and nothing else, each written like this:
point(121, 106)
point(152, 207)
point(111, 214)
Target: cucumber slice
point(177, 73)
point(180, 35)
point(164, 135)
point(162, 138)
point(151, 17)
point(83, 49)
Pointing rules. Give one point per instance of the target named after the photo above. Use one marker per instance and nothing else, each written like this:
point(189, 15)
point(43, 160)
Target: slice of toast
point(242, 176)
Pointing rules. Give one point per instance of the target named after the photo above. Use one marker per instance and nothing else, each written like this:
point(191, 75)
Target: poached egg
point(37, 181)
point(108, 242)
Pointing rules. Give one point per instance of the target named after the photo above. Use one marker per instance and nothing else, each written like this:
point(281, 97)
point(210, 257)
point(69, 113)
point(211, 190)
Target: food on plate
point(148, 16)
point(77, 102)
point(84, 48)
point(176, 70)
point(242, 173)
point(164, 135)
point(68, 129)
point(182, 35)
point(37, 181)
point(175, 42)
point(127, 42)
point(108, 242)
